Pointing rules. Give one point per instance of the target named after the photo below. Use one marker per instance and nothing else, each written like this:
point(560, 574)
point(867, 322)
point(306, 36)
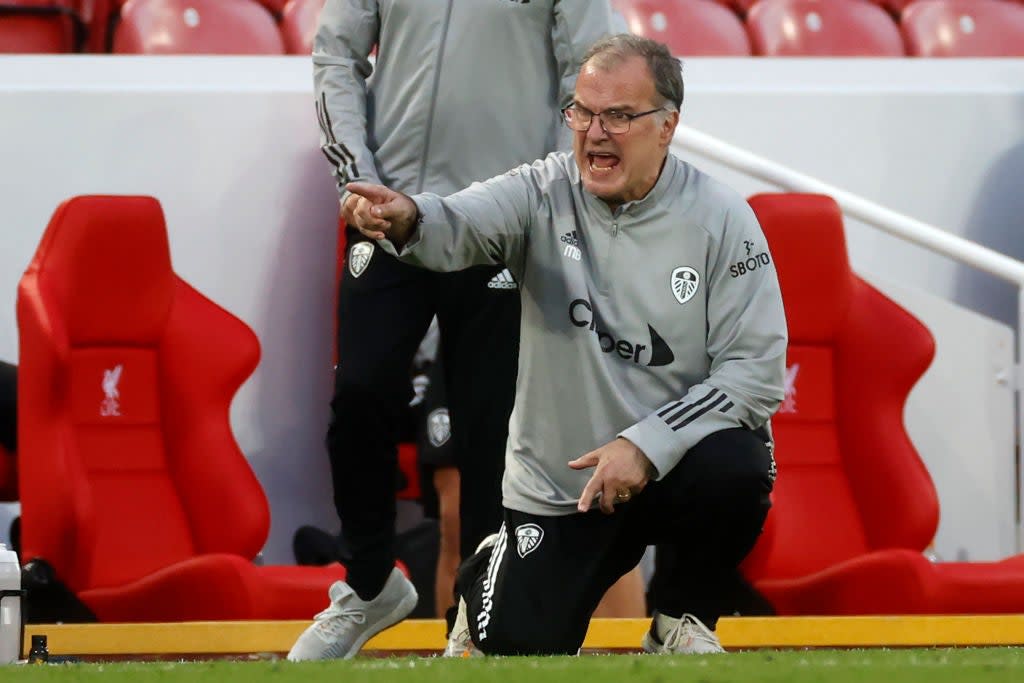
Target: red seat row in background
point(831, 28)
point(882, 28)
point(158, 26)
point(135, 491)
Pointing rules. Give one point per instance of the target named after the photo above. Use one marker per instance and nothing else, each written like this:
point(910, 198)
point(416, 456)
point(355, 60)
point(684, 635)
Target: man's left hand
point(621, 471)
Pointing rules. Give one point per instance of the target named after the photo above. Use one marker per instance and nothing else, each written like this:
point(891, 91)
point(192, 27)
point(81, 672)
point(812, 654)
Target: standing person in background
point(649, 367)
point(461, 90)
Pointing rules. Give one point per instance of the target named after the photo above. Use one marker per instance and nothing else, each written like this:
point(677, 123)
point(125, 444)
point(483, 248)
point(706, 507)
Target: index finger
point(377, 194)
point(589, 491)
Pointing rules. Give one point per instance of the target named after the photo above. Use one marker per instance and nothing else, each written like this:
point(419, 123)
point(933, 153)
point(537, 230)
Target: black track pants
point(383, 314)
point(535, 592)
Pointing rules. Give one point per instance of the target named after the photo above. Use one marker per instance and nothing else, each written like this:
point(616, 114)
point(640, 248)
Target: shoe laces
point(336, 619)
point(687, 630)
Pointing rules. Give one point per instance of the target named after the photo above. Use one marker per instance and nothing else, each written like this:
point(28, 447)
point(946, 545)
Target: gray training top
point(462, 90)
point(661, 322)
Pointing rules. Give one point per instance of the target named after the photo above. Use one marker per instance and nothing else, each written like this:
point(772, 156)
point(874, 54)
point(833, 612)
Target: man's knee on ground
point(494, 637)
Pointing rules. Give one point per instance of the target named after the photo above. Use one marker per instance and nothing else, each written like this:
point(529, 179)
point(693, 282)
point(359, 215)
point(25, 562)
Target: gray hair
point(665, 69)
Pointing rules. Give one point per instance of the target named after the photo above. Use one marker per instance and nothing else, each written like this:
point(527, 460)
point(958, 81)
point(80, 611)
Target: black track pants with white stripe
point(383, 314)
point(535, 591)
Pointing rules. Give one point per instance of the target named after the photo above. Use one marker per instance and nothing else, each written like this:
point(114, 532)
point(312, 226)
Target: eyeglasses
point(612, 122)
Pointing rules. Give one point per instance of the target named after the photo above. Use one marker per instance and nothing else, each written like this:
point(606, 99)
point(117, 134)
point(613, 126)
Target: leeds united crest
point(439, 427)
point(359, 257)
point(528, 538)
point(685, 281)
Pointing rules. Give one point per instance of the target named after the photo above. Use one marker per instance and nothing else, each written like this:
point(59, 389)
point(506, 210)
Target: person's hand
point(621, 471)
point(379, 212)
point(355, 209)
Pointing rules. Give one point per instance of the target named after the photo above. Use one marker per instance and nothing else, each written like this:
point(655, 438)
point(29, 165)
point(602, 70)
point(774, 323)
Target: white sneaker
point(460, 643)
point(685, 636)
point(348, 622)
point(488, 541)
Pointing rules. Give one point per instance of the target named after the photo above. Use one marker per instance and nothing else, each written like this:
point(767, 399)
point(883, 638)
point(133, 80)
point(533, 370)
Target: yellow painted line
point(241, 637)
point(872, 631)
point(208, 637)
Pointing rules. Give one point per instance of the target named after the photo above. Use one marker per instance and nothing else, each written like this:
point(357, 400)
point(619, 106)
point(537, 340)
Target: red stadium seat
point(893, 7)
point(96, 15)
point(964, 28)
point(298, 25)
point(237, 27)
point(837, 28)
point(40, 26)
point(854, 507)
point(740, 7)
point(689, 28)
point(132, 486)
point(275, 7)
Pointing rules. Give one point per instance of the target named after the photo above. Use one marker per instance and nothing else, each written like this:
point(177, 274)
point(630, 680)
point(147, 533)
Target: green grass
point(827, 666)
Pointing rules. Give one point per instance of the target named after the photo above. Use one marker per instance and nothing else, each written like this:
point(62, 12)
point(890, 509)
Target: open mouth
point(602, 162)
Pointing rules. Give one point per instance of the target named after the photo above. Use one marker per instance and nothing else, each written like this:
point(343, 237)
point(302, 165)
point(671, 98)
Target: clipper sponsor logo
point(359, 257)
point(528, 538)
point(111, 404)
point(572, 246)
point(685, 282)
point(751, 263)
point(652, 354)
point(789, 402)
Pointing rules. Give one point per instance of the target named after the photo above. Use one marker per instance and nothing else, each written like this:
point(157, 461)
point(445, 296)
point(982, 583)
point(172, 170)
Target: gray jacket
point(462, 89)
point(661, 322)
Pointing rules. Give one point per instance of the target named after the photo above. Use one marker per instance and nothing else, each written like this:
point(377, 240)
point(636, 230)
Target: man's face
point(621, 167)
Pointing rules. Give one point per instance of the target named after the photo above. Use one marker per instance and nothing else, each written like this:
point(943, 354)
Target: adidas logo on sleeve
point(503, 280)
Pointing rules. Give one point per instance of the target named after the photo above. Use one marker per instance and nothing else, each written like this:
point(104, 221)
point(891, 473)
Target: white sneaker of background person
point(684, 636)
point(341, 630)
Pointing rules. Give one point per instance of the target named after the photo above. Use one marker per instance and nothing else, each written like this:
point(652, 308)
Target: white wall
point(229, 147)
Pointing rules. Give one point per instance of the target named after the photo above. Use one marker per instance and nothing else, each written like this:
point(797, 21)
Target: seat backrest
point(964, 28)
point(127, 463)
point(235, 27)
point(298, 25)
point(38, 26)
point(688, 27)
point(836, 28)
point(740, 7)
point(849, 479)
point(893, 7)
point(275, 7)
